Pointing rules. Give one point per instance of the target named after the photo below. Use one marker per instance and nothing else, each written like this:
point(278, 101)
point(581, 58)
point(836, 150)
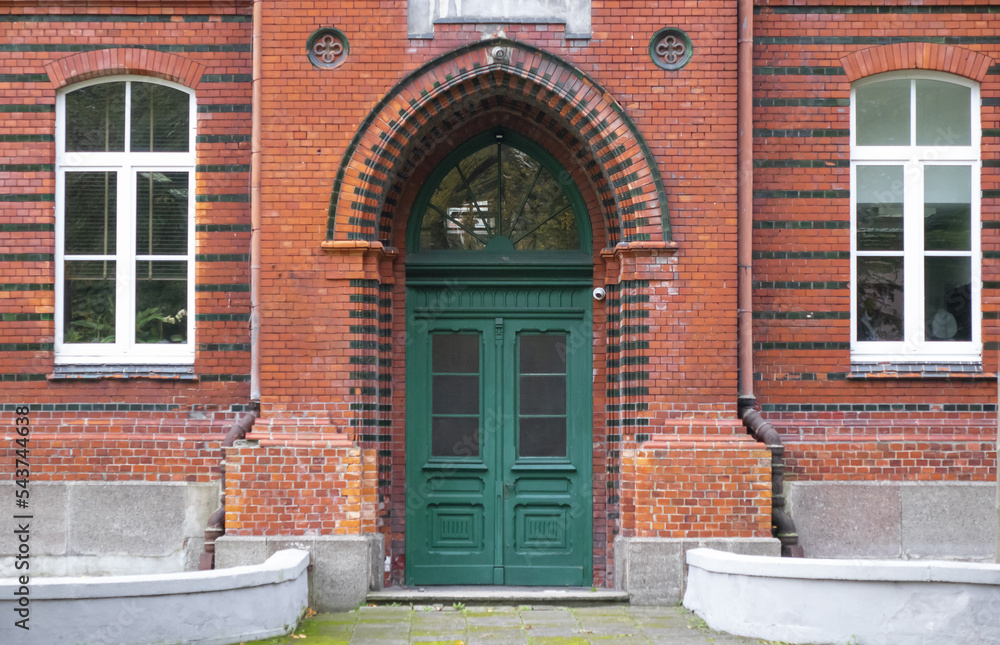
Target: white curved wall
point(205, 607)
point(839, 601)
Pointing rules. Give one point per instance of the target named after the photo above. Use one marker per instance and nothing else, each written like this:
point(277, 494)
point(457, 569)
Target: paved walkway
point(527, 624)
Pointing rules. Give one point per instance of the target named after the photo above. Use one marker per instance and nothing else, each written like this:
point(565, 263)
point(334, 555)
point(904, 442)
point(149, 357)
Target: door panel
point(499, 449)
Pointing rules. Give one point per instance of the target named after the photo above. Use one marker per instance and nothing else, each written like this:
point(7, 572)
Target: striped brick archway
point(422, 111)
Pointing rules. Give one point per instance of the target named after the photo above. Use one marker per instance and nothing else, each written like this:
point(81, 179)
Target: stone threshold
point(496, 595)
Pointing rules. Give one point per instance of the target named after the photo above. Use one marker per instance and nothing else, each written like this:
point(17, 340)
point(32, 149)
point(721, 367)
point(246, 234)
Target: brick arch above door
point(620, 164)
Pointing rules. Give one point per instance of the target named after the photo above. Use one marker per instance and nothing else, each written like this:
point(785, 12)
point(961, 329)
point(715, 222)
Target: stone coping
point(835, 569)
point(280, 567)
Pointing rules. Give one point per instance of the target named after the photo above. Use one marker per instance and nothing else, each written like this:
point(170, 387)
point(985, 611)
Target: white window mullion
point(913, 233)
point(126, 262)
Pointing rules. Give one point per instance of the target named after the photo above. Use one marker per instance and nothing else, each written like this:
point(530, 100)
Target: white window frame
point(127, 165)
point(914, 158)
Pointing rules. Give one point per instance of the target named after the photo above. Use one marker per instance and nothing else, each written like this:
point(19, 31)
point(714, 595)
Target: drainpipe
point(217, 521)
point(255, 209)
point(759, 428)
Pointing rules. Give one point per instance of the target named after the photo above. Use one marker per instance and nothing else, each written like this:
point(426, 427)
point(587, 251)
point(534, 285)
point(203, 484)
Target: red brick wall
point(671, 356)
point(679, 486)
point(313, 486)
point(49, 45)
point(838, 426)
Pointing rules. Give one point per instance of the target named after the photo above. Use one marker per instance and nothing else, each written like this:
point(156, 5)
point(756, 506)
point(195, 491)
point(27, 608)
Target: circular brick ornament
point(670, 48)
point(327, 48)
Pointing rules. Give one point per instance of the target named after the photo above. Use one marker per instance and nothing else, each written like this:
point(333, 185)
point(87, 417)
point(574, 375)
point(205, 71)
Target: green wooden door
point(499, 445)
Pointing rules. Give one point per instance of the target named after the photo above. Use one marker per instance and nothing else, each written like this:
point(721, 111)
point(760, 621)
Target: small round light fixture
point(670, 48)
point(327, 48)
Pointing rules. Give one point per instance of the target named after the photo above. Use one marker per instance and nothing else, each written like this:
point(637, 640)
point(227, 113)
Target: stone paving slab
point(441, 624)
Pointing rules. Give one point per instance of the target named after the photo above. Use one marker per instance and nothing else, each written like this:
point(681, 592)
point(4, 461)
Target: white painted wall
point(206, 607)
point(839, 601)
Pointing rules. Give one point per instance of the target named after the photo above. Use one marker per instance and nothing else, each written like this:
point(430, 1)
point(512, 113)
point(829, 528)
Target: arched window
point(125, 161)
point(500, 193)
point(915, 166)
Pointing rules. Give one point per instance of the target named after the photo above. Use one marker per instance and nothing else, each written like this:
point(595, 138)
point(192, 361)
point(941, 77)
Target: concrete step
point(488, 595)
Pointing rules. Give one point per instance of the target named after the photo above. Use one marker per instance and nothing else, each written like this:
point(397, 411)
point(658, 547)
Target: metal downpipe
point(782, 525)
point(216, 527)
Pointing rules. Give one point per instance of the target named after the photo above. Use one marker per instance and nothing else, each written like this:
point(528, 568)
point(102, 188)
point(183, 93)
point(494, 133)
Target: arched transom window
point(502, 196)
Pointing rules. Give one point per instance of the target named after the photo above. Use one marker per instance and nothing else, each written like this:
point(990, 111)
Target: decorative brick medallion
point(670, 48)
point(327, 48)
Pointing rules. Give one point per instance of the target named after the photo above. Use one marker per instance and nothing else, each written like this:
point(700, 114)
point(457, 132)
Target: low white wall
point(205, 607)
point(839, 601)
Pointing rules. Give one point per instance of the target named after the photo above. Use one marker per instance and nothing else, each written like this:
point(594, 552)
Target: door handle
point(506, 490)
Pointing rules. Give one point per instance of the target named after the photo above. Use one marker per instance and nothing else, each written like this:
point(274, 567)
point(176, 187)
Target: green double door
point(498, 444)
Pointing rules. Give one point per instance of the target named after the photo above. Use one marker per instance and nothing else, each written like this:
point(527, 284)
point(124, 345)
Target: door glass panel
point(455, 395)
point(455, 437)
point(542, 395)
point(456, 353)
point(544, 437)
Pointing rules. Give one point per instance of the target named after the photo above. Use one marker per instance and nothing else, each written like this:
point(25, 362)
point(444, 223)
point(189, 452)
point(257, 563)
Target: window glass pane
point(947, 208)
point(452, 219)
point(89, 302)
point(91, 213)
point(499, 192)
point(880, 298)
point(880, 208)
point(943, 114)
point(160, 118)
point(482, 174)
point(455, 437)
point(948, 299)
point(161, 302)
point(547, 220)
point(544, 437)
point(161, 213)
point(455, 353)
point(519, 172)
point(883, 113)
point(455, 394)
point(543, 353)
point(95, 118)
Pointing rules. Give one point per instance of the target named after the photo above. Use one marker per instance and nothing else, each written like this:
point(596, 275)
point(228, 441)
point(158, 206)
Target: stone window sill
point(165, 372)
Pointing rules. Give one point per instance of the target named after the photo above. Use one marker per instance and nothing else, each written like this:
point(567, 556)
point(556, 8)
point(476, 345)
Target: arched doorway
point(498, 365)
